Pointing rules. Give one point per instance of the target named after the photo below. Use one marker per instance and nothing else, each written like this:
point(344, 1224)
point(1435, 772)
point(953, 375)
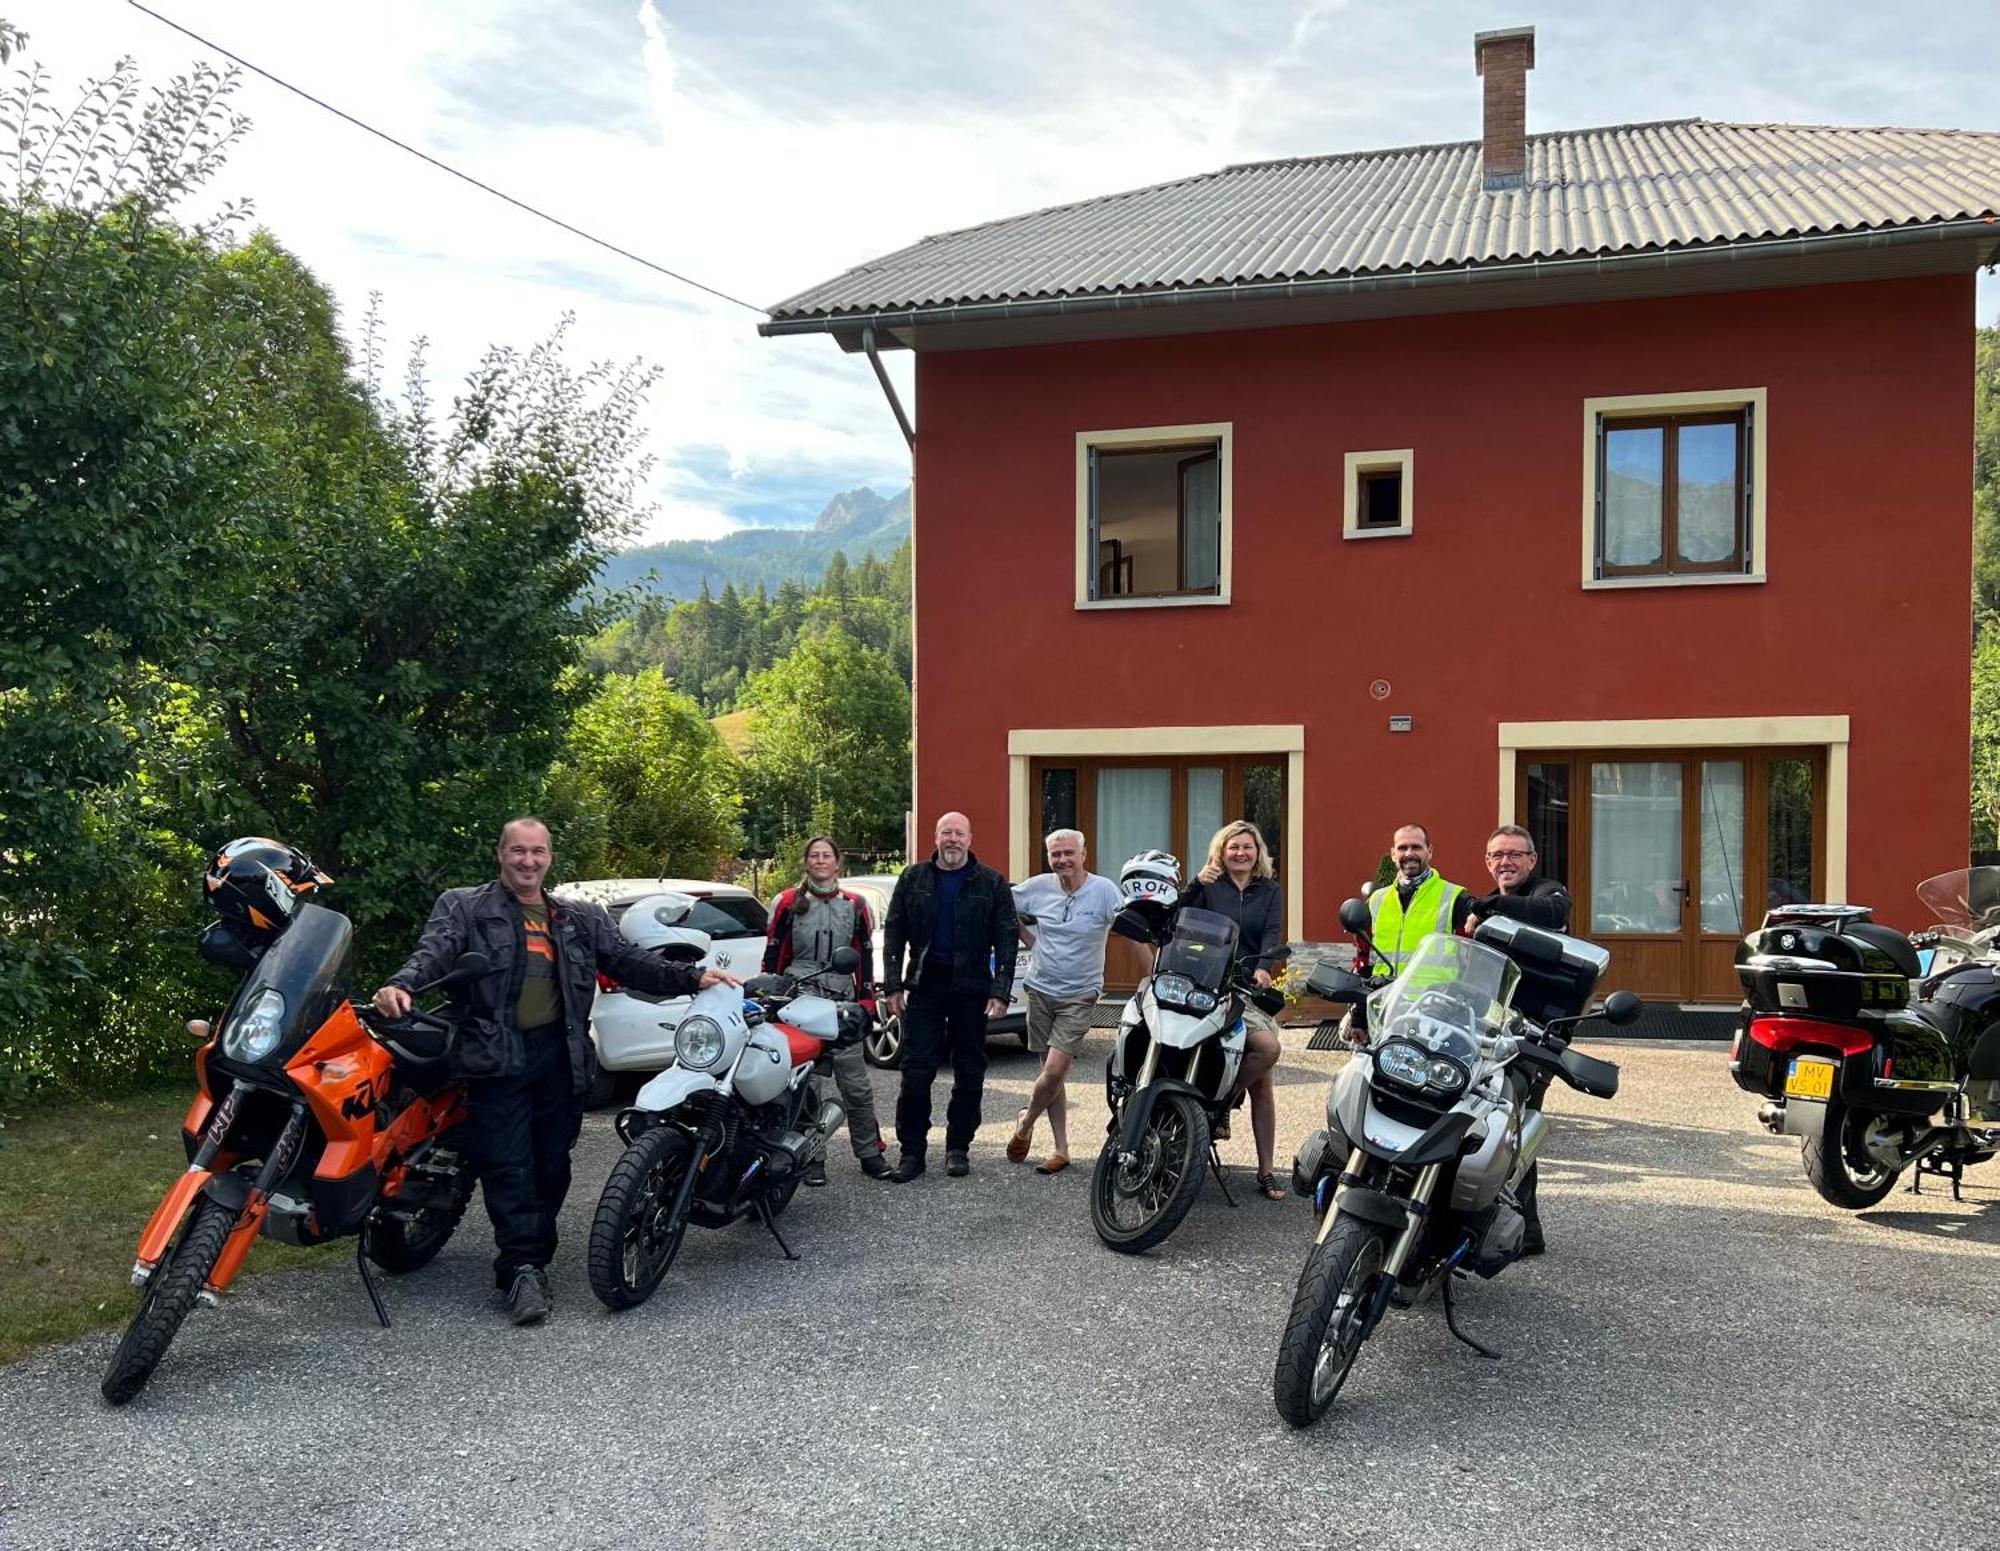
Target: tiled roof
point(1631, 188)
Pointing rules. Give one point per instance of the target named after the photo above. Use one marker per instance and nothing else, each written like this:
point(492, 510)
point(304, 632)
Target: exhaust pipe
point(1771, 1116)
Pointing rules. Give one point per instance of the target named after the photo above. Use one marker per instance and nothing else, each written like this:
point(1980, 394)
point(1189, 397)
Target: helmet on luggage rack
point(256, 884)
point(1154, 875)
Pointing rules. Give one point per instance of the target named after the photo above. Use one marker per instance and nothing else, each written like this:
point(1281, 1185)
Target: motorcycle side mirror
point(467, 966)
point(1354, 915)
point(845, 961)
point(1368, 889)
point(1622, 1007)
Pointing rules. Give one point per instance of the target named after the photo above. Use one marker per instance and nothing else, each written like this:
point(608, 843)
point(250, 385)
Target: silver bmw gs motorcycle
point(1430, 1131)
point(1175, 1072)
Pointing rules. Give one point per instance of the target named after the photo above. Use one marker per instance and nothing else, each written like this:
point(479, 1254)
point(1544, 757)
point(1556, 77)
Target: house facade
point(1617, 483)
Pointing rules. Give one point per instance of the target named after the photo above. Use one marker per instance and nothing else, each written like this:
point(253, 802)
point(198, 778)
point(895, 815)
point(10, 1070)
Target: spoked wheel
point(636, 1232)
point(1135, 1205)
point(400, 1242)
point(882, 1045)
point(1838, 1164)
point(1324, 1333)
point(176, 1283)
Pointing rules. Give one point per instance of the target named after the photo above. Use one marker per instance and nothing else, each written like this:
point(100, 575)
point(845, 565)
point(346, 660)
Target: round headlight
point(698, 1042)
point(1446, 1076)
point(1404, 1063)
point(255, 1031)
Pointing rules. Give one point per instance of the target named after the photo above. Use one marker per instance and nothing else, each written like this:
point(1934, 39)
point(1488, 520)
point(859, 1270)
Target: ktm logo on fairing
point(358, 1103)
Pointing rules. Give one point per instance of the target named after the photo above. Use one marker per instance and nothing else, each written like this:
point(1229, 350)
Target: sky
point(764, 147)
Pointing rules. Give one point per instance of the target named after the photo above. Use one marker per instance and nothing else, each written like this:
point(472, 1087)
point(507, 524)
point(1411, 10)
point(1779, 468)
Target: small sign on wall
point(1399, 724)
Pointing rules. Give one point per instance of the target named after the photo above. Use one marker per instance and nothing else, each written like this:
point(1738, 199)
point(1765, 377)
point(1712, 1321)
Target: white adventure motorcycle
point(1176, 1066)
point(727, 1131)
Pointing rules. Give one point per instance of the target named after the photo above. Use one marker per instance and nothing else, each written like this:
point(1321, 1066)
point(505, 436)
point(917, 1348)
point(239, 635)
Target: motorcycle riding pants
point(520, 1131)
point(857, 1097)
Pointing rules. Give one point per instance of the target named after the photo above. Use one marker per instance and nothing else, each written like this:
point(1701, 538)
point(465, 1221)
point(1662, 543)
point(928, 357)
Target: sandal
point(1019, 1143)
point(1272, 1189)
point(1054, 1163)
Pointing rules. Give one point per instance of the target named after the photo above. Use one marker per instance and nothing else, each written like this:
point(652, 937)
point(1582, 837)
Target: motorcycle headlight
point(1175, 989)
point(698, 1042)
point(255, 1031)
point(1404, 1063)
point(1201, 1001)
point(1446, 1075)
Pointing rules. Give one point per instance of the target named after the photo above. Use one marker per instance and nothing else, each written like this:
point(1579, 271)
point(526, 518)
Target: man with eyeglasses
point(1072, 909)
point(1518, 892)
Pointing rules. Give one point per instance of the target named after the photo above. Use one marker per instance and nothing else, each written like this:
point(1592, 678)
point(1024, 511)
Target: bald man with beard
point(947, 967)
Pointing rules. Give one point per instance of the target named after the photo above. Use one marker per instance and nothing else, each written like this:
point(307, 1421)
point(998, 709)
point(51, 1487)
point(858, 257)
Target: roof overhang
point(1932, 248)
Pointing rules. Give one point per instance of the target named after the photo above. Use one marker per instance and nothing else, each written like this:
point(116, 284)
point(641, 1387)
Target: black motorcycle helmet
point(256, 884)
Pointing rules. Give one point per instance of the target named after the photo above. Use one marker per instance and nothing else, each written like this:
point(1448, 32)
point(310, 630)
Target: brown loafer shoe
point(1054, 1163)
point(1022, 1139)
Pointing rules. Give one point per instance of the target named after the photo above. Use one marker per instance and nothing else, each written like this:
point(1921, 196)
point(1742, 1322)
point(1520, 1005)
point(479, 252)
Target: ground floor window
point(1155, 802)
point(1671, 855)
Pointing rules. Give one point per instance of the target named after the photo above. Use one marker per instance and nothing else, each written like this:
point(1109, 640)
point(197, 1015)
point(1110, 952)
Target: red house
point(1615, 481)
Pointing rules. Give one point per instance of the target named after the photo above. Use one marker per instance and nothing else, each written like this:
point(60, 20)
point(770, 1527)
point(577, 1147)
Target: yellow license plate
point(1809, 1079)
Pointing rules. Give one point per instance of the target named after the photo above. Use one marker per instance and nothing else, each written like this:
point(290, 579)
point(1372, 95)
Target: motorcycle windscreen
point(307, 967)
point(1202, 948)
point(1451, 992)
point(1968, 898)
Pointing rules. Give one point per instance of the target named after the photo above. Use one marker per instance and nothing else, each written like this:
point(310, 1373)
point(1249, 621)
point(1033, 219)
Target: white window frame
point(1635, 405)
point(1403, 461)
point(1139, 438)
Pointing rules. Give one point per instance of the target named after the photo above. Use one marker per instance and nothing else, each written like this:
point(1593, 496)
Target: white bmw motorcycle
point(1175, 1070)
point(727, 1131)
point(1430, 1131)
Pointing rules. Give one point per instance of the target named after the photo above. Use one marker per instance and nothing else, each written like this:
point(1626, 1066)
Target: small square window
point(1377, 502)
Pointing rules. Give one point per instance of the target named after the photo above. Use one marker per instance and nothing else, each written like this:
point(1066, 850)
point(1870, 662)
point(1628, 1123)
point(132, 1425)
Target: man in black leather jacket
point(524, 1039)
point(954, 921)
point(1510, 859)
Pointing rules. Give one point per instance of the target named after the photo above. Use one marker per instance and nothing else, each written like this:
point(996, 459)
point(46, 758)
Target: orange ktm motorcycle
point(317, 1117)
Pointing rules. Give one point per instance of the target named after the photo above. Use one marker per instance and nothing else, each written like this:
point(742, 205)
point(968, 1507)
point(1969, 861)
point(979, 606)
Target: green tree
point(833, 727)
point(1986, 475)
point(644, 787)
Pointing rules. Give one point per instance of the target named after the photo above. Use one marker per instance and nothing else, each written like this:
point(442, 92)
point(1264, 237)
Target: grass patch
point(77, 1183)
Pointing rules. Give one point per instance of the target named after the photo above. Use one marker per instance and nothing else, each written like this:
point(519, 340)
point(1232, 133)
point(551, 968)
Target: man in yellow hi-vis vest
point(1417, 904)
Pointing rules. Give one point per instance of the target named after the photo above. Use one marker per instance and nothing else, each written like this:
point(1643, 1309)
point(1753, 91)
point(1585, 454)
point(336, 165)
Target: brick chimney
point(1504, 59)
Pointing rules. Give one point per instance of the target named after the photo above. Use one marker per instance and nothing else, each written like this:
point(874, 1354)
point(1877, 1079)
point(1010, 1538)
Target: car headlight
point(698, 1042)
point(255, 1031)
point(1402, 1062)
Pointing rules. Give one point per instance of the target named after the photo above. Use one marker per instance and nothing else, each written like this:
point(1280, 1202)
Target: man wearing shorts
point(1073, 908)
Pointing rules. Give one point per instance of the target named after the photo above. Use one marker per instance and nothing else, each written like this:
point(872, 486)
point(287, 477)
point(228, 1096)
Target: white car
point(883, 1044)
point(633, 1031)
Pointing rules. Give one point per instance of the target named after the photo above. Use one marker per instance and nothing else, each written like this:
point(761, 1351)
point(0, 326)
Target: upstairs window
point(1674, 490)
point(1378, 502)
point(1154, 517)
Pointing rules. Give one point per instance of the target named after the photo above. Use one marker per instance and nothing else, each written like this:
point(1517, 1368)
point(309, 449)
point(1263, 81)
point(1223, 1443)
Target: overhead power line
point(463, 177)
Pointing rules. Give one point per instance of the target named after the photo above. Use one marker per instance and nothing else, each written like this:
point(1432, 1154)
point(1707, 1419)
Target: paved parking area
point(1709, 1356)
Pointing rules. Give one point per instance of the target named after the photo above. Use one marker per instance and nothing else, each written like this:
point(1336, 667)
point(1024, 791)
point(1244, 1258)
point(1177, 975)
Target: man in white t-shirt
point(1073, 908)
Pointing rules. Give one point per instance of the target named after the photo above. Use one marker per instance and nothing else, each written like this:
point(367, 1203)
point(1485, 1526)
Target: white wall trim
point(1354, 465)
point(1221, 432)
point(1700, 732)
point(1025, 744)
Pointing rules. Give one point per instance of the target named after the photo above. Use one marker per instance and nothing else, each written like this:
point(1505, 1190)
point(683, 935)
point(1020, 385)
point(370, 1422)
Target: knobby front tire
point(636, 1233)
point(170, 1294)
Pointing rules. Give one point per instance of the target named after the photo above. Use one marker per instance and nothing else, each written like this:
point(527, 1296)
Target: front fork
point(173, 1208)
point(256, 1206)
point(1417, 1207)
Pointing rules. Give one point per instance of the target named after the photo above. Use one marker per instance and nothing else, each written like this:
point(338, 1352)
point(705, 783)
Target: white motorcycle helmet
point(1153, 875)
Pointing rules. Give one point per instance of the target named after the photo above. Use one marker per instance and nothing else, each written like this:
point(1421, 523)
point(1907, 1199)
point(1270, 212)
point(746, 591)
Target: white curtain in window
point(1204, 815)
point(1135, 812)
point(1722, 845)
point(1635, 846)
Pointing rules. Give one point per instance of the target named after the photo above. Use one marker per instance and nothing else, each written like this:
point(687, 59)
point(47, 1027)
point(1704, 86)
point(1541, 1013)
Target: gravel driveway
point(1708, 1356)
